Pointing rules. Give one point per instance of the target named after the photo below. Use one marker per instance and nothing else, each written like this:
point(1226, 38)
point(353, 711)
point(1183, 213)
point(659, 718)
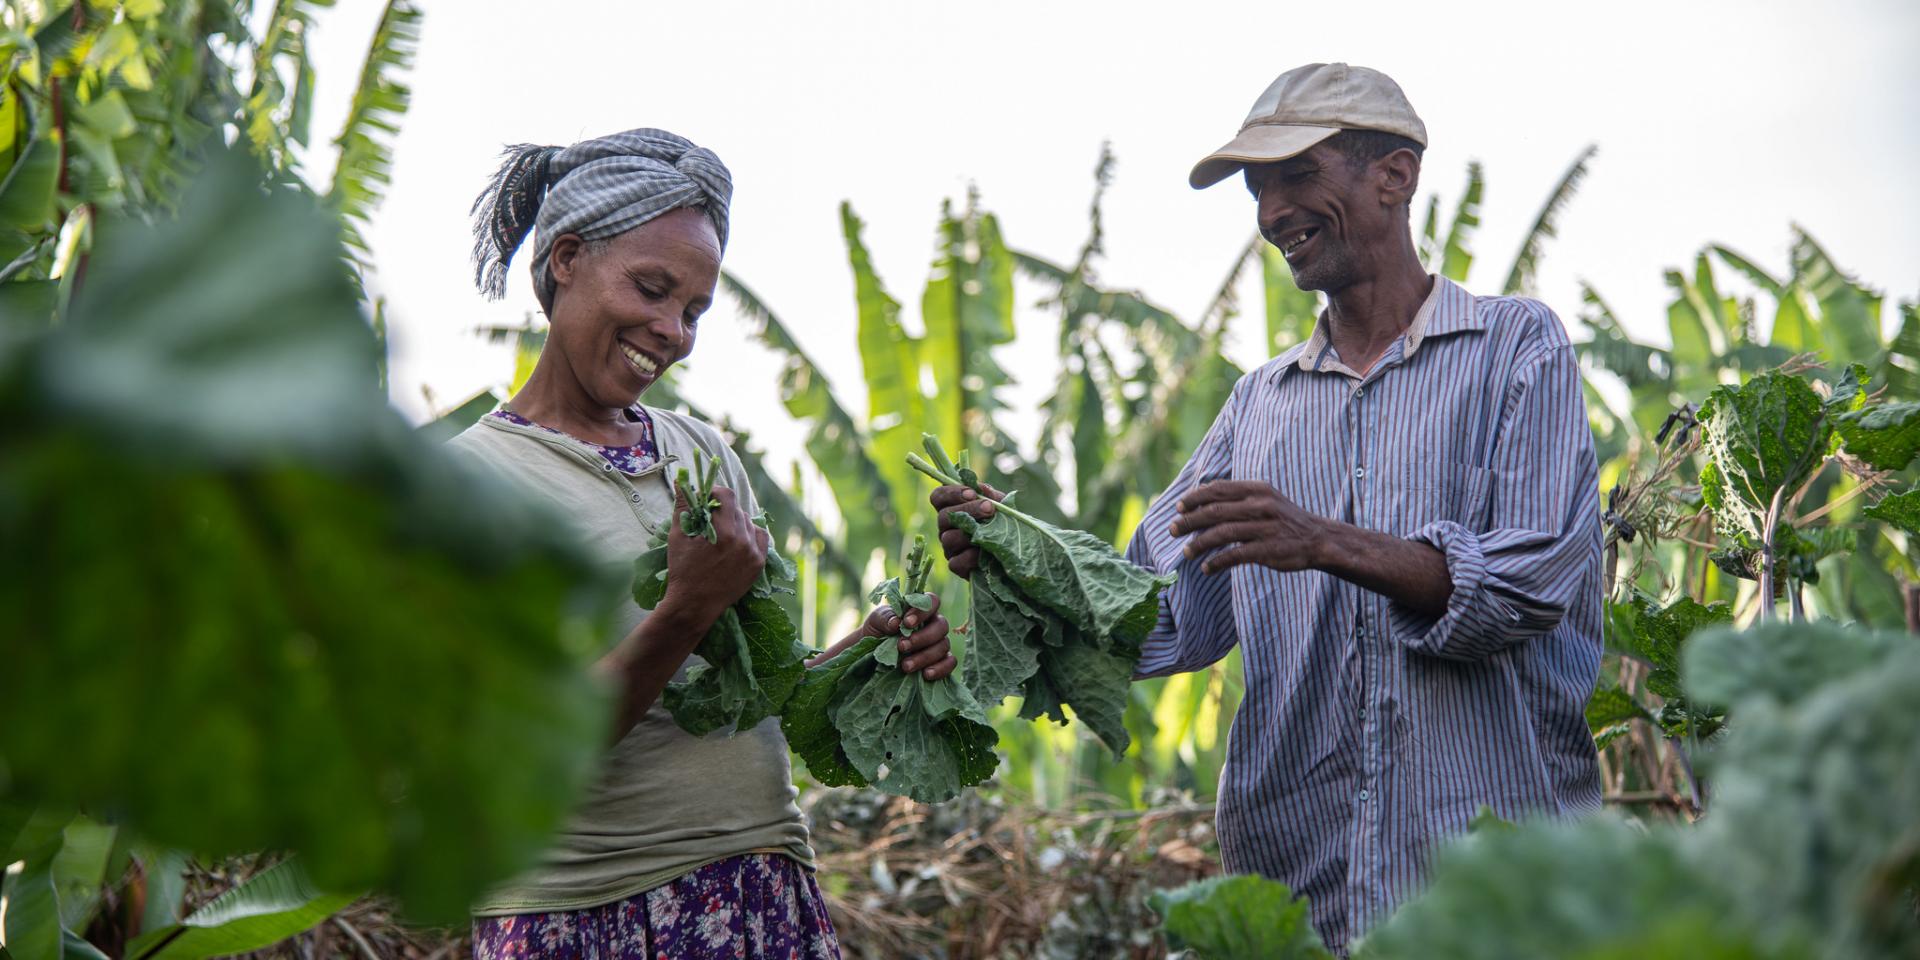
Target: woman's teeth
point(640, 360)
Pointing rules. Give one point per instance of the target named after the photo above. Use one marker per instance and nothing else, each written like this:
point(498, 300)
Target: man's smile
point(1292, 243)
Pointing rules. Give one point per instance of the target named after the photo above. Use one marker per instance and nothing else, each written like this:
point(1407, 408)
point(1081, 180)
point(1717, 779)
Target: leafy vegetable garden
point(181, 686)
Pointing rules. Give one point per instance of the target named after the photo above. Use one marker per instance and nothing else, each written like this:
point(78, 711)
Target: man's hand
point(1247, 521)
point(962, 556)
point(704, 579)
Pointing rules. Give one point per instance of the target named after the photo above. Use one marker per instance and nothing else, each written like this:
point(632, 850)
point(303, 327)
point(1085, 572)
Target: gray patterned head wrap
point(597, 189)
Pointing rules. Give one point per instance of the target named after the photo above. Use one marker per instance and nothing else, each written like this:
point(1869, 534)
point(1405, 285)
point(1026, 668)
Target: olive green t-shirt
point(665, 802)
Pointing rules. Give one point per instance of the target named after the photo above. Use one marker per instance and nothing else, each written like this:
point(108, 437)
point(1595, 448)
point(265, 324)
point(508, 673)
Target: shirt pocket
point(1426, 493)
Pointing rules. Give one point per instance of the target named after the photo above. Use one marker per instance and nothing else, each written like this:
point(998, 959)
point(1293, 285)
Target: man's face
point(1323, 212)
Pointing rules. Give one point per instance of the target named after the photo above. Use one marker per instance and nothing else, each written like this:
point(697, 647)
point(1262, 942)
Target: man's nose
point(1273, 207)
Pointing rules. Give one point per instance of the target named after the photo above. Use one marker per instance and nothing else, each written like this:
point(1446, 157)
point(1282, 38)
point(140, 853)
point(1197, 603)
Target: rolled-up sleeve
point(1196, 625)
point(1516, 579)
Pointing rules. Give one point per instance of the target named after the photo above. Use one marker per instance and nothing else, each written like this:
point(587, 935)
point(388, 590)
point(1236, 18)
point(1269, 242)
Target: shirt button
point(1359, 392)
point(635, 497)
point(1359, 472)
point(1363, 795)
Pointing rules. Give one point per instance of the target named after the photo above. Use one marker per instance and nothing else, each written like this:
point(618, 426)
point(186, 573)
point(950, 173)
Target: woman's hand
point(924, 650)
point(705, 578)
point(962, 556)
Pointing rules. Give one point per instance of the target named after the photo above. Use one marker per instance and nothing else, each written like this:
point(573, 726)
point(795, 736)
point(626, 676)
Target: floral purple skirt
point(760, 906)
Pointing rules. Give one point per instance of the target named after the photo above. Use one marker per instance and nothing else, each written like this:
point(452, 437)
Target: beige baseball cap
point(1305, 106)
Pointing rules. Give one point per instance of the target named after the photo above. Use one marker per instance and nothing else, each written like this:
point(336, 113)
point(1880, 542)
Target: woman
point(687, 846)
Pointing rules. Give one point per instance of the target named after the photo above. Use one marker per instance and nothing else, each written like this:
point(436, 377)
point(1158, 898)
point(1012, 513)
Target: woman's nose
point(671, 333)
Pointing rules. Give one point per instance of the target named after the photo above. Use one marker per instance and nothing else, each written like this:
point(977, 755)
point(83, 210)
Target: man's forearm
point(1408, 572)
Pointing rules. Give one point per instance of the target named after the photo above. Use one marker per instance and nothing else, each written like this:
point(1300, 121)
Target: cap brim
point(1261, 143)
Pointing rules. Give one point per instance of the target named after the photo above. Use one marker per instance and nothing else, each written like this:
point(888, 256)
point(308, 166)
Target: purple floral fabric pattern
point(759, 906)
point(628, 460)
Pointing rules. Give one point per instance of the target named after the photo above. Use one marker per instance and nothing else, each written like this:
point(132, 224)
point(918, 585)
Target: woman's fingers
point(882, 622)
point(929, 657)
point(925, 637)
point(915, 616)
point(941, 669)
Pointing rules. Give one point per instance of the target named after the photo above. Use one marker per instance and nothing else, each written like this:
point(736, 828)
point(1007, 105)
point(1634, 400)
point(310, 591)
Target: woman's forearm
point(646, 660)
point(839, 645)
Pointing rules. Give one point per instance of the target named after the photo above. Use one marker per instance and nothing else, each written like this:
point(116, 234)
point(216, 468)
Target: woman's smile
point(646, 366)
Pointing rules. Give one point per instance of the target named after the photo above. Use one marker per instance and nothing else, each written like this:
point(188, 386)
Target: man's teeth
point(1294, 244)
point(640, 359)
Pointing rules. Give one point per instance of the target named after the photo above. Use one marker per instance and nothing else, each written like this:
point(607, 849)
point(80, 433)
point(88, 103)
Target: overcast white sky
point(1722, 121)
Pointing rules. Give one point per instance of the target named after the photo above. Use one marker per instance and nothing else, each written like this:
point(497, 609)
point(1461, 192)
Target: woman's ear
point(563, 260)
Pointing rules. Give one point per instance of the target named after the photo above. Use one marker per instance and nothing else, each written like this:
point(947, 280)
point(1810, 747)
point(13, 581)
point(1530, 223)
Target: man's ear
point(1398, 175)
point(563, 260)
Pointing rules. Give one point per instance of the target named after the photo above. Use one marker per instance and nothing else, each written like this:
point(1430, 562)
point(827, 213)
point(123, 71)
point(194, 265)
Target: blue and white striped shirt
point(1370, 733)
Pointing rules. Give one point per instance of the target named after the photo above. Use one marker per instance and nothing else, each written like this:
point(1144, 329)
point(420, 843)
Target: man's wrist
point(1321, 553)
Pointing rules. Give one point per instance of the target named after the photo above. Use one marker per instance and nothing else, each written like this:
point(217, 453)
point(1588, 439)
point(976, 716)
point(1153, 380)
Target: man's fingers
point(981, 510)
point(1222, 490)
point(1223, 511)
point(1213, 538)
point(964, 563)
point(950, 495)
point(1229, 558)
point(955, 542)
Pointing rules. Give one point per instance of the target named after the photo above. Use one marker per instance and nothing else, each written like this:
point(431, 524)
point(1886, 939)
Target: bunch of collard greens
point(858, 719)
point(1058, 615)
point(754, 658)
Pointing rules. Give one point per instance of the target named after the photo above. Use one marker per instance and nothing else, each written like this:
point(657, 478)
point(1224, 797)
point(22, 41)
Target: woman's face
point(625, 311)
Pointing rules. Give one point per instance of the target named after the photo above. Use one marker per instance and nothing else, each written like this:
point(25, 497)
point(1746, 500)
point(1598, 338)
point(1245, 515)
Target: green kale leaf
point(1244, 917)
point(1058, 614)
point(858, 719)
point(752, 657)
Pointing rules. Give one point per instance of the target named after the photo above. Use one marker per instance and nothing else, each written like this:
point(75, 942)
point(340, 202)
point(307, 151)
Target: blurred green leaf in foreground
point(242, 606)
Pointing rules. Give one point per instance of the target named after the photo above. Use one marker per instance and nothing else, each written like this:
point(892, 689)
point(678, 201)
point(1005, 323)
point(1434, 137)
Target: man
point(1397, 521)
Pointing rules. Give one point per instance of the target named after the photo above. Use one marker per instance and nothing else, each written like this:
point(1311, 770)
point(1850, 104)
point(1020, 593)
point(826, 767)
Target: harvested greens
point(754, 658)
point(857, 719)
point(1058, 615)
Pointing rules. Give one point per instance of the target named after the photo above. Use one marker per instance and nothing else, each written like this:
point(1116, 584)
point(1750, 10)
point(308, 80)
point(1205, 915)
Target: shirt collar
point(1448, 309)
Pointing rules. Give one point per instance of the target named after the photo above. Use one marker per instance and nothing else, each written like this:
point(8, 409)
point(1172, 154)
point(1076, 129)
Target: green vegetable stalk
point(1058, 614)
point(857, 719)
point(754, 657)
